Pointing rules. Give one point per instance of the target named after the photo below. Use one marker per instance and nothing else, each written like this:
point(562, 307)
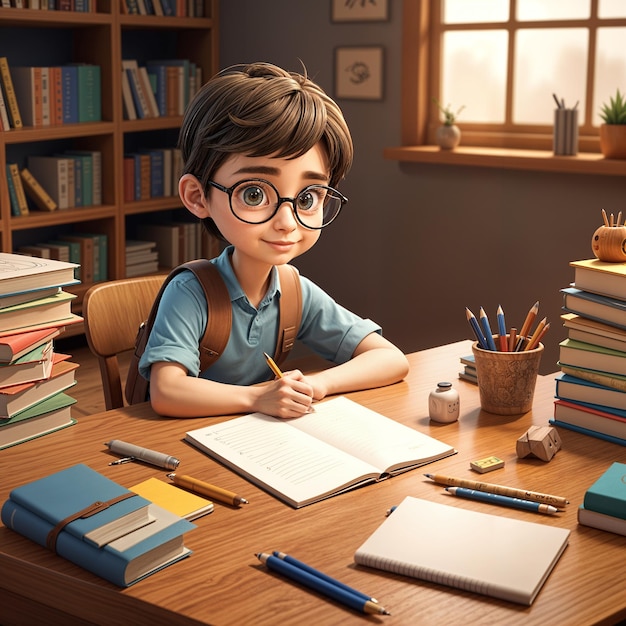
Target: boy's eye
point(307, 200)
point(253, 196)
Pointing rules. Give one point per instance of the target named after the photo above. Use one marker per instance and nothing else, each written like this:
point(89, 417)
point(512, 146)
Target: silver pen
point(132, 452)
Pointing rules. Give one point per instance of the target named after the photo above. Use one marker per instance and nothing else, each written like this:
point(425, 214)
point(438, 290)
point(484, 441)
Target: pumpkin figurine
point(609, 241)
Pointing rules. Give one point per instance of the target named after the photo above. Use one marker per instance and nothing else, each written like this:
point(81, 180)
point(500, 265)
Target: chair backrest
point(113, 312)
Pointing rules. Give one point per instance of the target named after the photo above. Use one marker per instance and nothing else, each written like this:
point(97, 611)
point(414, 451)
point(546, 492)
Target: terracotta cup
point(506, 380)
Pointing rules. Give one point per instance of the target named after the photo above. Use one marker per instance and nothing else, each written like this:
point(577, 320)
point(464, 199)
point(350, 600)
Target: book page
point(284, 460)
point(370, 436)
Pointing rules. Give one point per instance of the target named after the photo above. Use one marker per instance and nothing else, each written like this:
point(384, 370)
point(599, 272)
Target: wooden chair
point(113, 312)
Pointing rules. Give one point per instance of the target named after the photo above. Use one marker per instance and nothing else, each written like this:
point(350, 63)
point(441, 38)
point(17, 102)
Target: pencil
point(535, 342)
point(530, 318)
point(532, 342)
point(471, 318)
point(512, 339)
point(504, 343)
point(494, 498)
point(605, 218)
point(484, 322)
point(272, 365)
point(502, 490)
point(205, 489)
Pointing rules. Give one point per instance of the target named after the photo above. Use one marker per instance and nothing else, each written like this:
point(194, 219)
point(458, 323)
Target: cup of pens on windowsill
point(507, 363)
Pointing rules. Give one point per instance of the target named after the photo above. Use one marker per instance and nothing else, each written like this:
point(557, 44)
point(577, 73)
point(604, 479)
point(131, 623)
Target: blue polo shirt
point(327, 328)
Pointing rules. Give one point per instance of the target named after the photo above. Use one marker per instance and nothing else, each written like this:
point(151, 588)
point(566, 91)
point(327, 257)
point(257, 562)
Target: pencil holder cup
point(506, 380)
point(565, 138)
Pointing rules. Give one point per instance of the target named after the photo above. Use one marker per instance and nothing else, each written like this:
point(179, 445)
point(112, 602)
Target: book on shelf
point(13, 201)
point(15, 117)
point(28, 85)
point(123, 561)
point(12, 347)
point(20, 195)
point(69, 86)
point(36, 192)
point(609, 523)
point(54, 175)
point(51, 310)
point(127, 98)
point(577, 389)
point(603, 309)
point(56, 251)
point(18, 398)
point(493, 555)
point(140, 100)
point(607, 279)
point(180, 502)
point(608, 493)
point(56, 96)
point(591, 417)
point(167, 239)
point(340, 446)
point(19, 273)
point(146, 85)
point(88, 92)
point(5, 124)
point(589, 331)
point(36, 250)
point(34, 365)
point(92, 174)
point(592, 357)
point(140, 269)
point(86, 255)
point(43, 418)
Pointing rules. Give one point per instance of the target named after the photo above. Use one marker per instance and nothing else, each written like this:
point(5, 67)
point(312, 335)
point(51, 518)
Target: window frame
point(421, 38)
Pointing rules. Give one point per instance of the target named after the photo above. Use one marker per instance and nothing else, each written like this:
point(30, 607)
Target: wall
point(419, 243)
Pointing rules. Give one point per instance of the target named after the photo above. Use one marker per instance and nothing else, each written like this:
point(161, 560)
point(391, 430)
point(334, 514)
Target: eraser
point(487, 465)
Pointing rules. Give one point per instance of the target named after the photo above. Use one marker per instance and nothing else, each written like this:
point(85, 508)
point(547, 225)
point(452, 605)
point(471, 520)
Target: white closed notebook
point(496, 556)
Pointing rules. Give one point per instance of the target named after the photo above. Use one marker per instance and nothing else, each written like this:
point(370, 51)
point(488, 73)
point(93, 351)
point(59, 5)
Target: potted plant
point(613, 131)
point(448, 136)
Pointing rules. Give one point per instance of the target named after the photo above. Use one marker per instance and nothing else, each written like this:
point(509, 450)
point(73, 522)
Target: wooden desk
point(223, 583)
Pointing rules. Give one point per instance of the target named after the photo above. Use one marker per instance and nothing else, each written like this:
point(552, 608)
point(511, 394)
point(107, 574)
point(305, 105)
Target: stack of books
point(124, 538)
point(34, 310)
point(604, 504)
point(591, 388)
point(142, 258)
point(469, 369)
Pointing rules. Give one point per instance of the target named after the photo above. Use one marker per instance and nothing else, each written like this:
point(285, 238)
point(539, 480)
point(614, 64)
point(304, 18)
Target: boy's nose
point(285, 216)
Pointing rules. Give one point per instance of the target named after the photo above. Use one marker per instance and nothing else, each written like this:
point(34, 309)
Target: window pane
point(610, 67)
point(553, 9)
point(611, 8)
point(474, 74)
point(548, 61)
point(464, 12)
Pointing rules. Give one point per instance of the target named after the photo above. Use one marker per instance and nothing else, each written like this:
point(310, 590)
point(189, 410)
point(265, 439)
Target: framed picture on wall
point(359, 72)
point(359, 10)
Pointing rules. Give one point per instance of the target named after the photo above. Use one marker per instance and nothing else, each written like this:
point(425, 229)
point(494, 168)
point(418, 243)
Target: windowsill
point(507, 158)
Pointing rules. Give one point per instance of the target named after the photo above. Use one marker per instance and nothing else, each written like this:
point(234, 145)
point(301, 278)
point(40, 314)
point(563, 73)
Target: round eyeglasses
point(256, 201)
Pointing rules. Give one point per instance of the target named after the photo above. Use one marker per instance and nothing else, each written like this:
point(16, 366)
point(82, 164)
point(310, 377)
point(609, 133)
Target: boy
point(262, 149)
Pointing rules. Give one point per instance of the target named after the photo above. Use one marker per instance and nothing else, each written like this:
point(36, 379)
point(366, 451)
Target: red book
point(14, 346)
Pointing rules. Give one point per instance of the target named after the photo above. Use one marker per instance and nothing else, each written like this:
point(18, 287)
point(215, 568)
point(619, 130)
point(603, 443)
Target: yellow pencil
point(532, 342)
point(530, 318)
point(273, 366)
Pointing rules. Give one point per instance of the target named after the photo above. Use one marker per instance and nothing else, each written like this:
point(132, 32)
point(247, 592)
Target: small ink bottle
point(443, 404)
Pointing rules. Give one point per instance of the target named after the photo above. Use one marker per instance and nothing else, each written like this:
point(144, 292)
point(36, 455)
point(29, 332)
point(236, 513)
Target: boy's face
point(282, 238)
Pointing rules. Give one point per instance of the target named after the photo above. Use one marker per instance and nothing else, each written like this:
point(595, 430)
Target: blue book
point(122, 567)
point(69, 82)
point(603, 309)
point(608, 494)
point(586, 431)
point(15, 206)
point(160, 77)
point(59, 495)
point(34, 509)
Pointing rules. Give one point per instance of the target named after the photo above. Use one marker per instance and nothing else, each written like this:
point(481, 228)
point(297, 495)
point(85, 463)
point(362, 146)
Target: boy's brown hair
point(261, 110)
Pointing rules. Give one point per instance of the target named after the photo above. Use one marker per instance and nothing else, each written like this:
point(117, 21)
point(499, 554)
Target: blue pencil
point(311, 570)
point(320, 585)
point(494, 498)
point(484, 322)
point(476, 328)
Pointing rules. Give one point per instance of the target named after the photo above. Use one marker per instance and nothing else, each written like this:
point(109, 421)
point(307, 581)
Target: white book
point(611, 524)
point(497, 556)
point(340, 446)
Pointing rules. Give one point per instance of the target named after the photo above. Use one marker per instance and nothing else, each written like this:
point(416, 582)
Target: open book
point(342, 445)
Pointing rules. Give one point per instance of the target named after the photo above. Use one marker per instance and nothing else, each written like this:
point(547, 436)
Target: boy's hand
point(286, 397)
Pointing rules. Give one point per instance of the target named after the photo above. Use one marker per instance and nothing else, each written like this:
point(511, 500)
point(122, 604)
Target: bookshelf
point(102, 37)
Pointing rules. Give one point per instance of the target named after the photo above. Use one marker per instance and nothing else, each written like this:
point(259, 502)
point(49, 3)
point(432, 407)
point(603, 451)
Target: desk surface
point(223, 583)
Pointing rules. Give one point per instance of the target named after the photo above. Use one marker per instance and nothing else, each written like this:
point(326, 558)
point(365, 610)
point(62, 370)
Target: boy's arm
point(175, 394)
point(376, 362)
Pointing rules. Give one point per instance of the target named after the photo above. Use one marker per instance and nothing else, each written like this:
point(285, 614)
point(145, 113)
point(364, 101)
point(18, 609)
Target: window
point(506, 61)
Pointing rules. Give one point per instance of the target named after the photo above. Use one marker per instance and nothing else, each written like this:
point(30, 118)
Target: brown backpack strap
point(290, 311)
point(220, 313)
